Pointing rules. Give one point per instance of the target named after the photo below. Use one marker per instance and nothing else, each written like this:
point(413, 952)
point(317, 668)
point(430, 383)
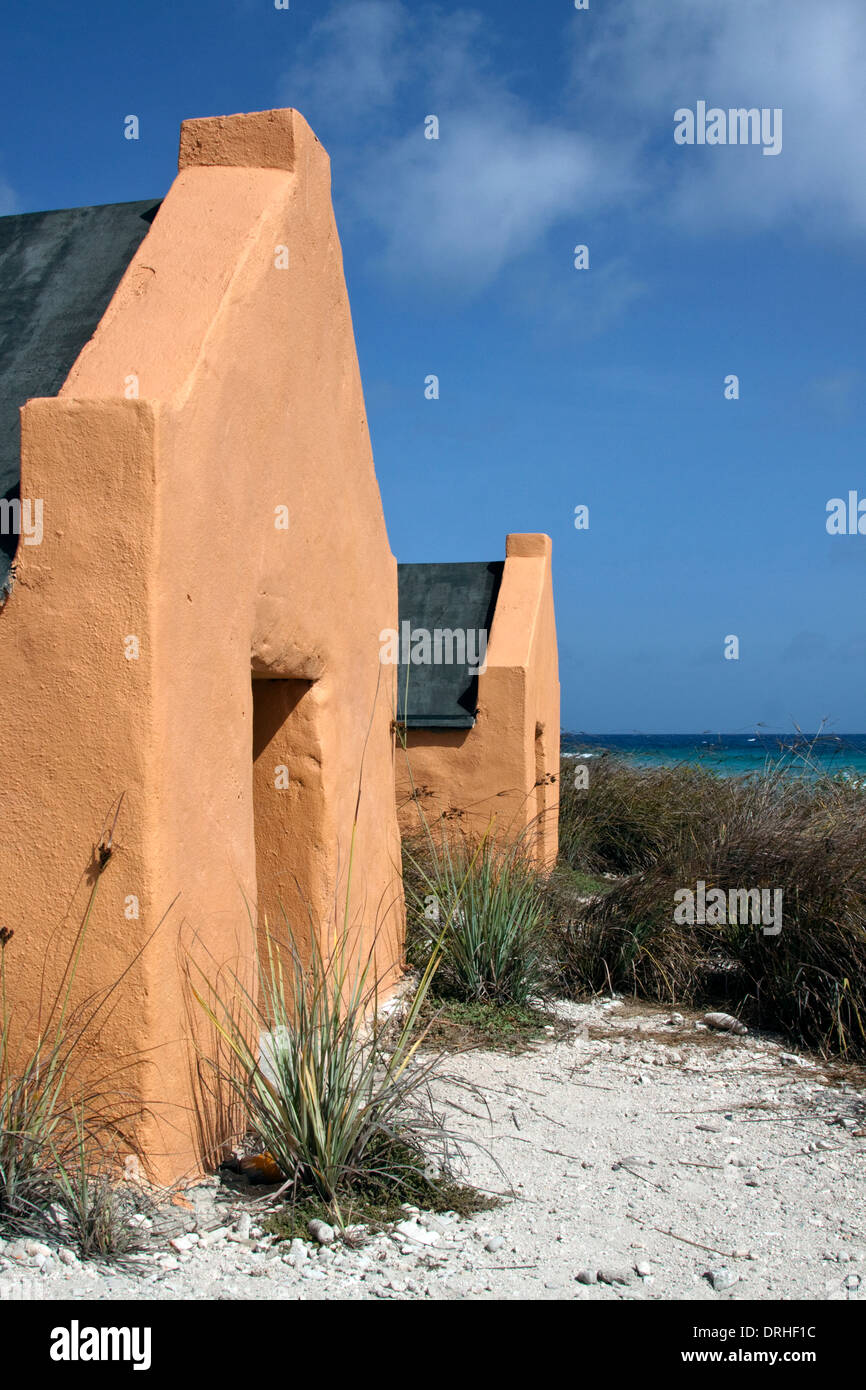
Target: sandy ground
point(621, 1151)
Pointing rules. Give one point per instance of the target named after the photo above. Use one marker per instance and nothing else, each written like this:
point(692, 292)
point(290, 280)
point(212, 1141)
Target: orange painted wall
point(160, 524)
point(503, 772)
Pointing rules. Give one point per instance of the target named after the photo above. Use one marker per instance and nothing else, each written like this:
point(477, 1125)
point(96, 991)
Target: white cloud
point(356, 60)
point(809, 59)
point(505, 178)
point(489, 190)
point(456, 210)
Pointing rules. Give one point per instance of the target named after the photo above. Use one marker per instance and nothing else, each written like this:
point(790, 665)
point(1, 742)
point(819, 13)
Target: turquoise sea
point(731, 755)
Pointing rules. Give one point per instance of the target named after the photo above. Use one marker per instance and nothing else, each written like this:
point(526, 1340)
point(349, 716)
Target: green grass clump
point(628, 817)
point(376, 1200)
point(58, 1133)
point(37, 1120)
point(583, 884)
point(95, 1210)
point(335, 1094)
point(481, 908)
point(456, 1024)
point(803, 835)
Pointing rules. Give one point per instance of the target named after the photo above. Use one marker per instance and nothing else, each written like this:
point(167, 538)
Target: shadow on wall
point(289, 808)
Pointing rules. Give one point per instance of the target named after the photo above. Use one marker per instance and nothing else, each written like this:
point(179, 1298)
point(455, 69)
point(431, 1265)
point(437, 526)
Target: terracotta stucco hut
point(196, 629)
point(478, 711)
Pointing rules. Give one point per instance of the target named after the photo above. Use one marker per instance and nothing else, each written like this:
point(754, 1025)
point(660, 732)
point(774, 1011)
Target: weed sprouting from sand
point(61, 1122)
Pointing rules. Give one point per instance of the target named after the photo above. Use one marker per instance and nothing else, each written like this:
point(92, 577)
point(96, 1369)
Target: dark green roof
point(58, 271)
point(442, 695)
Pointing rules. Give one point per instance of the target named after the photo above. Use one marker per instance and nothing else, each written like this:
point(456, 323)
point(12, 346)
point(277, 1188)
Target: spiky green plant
point(54, 1114)
point(480, 904)
point(37, 1116)
point(89, 1210)
point(333, 1092)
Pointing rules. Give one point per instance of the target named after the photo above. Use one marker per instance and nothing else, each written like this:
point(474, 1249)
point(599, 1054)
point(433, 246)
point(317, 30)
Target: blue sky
point(558, 387)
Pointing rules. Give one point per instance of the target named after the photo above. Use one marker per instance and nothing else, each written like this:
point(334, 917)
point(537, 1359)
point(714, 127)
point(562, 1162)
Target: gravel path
point(621, 1150)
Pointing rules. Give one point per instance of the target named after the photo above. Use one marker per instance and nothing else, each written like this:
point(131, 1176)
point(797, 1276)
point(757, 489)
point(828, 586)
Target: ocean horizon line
point(709, 733)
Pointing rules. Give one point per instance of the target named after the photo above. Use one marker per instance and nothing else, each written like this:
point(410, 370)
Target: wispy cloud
point(356, 61)
point(9, 202)
point(503, 177)
point(489, 190)
point(566, 306)
point(644, 61)
point(456, 210)
point(841, 394)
